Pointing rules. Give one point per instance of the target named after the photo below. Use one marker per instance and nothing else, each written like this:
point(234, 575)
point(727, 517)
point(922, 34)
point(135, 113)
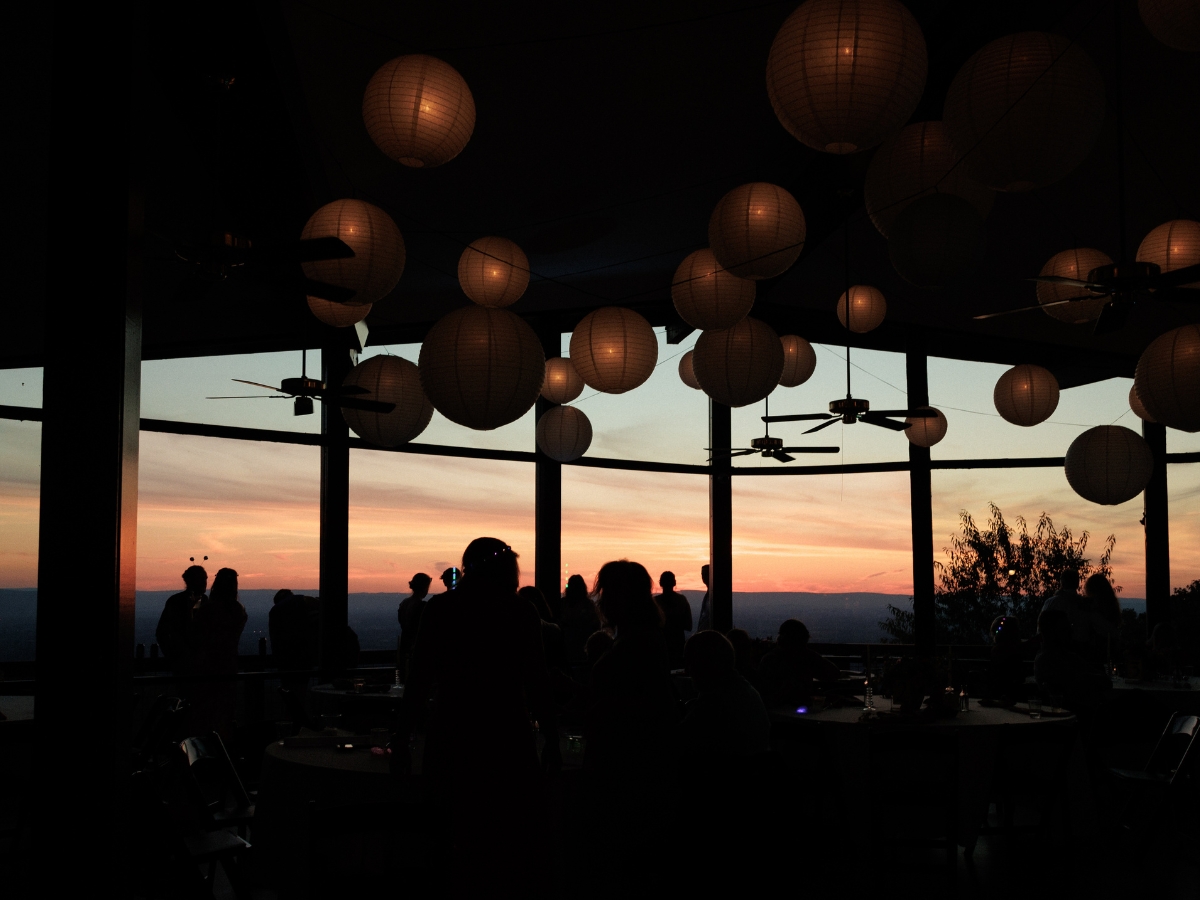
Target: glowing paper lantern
point(378, 247)
point(614, 349)
point(686, 373)
point(493, 272)
point(564, 433)
point(339, 315)
point(1025, 110)
point(562, 384)
point(1109, 464)
point(1175, 23)
point(388, 379)
point(1072, 264)
point(740, 365)
point(867, 308)
point(936, 240)
point(419, 110)
point(843, 74)
point(1135, 404)
point(799, 360)
point(708, 297)
point(1026, 395)
point(482, 367)
point(1168, 378)
point(1172, 245)
point(757, 230)
point(926, 432)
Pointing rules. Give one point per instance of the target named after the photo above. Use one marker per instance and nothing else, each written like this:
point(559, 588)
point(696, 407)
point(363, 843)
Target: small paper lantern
point(419, 110)
point(1109, 464)
point(378, 260)
point(740, 365)
point(926, 432)
point(493, 272)
point(799, 360)
point(388, 379)
point(564, 433)
point(843, 74)
point(562, 384)
point(1172, 245)
point(1175, 23)
point(1072, 264)
point(757, 230)
point(1135, 404)
point(686, 373)
point(482, 367)
point(1025, 110)
point(912, 164)
point(614, 349)
point(936, 240)
point(1026, 395)
point(339, 315)
point(867, 308)
point(708, 297)
point(1168, 378)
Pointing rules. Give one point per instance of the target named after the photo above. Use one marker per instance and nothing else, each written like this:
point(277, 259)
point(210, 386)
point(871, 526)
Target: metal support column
point(335, 516)
point(547, 556)
point(720, 517)
point(1157, 520)
point(921, 504)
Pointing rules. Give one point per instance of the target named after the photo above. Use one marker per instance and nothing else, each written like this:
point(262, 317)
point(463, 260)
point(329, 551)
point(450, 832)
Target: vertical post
point(1158, 547)
point(720, 516)
point(335, 516)
point(920, 482)
point(547, 555)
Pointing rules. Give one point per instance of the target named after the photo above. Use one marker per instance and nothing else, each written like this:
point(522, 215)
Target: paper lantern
point(339, 315)
point(419, 110)
point(562, 384)
point(686, 373)
point(482, 367)
point(867, 308)
point(1109, 464)
point(378, 247)
point(1135, 404)
point(1026, 395)
point(1175, 23)
point(1025, 110)
point(926, 432)
point(1072, 264)
point(1172, 245)
point(936, 240)
point(564, 433)
point(740, 365)
point(1168, 378)
point(388, 379)
point(912, 164)
point(843, 74)
point(708, 297)
point(799, 360)
point(614, 349)
point(493, 272)
point(757, 230)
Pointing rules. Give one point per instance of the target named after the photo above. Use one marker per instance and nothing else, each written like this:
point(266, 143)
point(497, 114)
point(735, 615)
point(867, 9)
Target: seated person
point(1063, 675)
point(788, 671)
point(728, 717)
point(743, 648)
point(1006, 666)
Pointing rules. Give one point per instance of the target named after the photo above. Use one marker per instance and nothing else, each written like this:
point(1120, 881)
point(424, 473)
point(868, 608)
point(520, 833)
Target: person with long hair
point(1105, 615)
point(218, 622)
point(577, 617)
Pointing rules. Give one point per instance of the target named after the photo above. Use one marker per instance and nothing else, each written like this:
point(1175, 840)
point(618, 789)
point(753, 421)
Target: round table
point(361, 710)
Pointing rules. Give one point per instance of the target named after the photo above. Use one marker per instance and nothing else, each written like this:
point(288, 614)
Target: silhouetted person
point(677, 617)
point(451, 577)
point(217, 623)
point(597, 645)
point(1102, 612)
point(409, 616)
point(1063, 675)
point(727, 717)
point(1067, 600)
point(704, 622)
point(1102, 598)
point(1006, 663)
point(552, 636)
point(294, 625)
point(743, 649)
point(175, 633)
point(788, 671)
point(578, 619)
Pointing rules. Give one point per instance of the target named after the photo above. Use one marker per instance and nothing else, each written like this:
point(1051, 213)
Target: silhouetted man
point(409, 615)
point(175, 634)
point(704, 623)
point(677, 617)
point(450, 578)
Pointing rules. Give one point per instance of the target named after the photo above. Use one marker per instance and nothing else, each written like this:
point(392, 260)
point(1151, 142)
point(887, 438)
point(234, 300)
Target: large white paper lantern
point(867, 308)
point(1026, 395)
point(378, 260)
point(562, 384)
point(708, 297)
point(1135, 404)
point(1172, 245)
point(564, 433)
point(925, 432)
point(740, 365)
point(686, 373)
point(1168, 378)
point(419, 110)
point(1174, 22)
point(388, 379)
point(1075, 263)
point(338, 315)
point(1109, 464)
point(799, 360)
point(493, 271)
point(614, 349)
point(757, 230)
point(936, 240)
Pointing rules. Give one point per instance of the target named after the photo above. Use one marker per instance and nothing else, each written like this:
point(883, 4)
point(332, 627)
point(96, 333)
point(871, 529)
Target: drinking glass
point(1035, 707)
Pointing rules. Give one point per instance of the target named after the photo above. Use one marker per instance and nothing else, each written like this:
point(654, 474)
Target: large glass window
point(1183, 507)
point(20, 477)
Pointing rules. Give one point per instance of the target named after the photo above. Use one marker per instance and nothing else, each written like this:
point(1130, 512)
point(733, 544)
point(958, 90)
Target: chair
point(220, 798)
point(1166, 776)
point(161, 729)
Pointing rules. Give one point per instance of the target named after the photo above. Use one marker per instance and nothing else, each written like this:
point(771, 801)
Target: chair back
point(1173, 745)
point(214, 782)
point(162, 726)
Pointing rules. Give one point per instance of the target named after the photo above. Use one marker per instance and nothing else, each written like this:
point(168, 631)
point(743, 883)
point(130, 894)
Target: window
point(1183, 507)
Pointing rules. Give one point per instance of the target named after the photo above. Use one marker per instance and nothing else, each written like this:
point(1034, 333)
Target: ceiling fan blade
point(309, 250)
point(329, 292)
point(1112, 318)
point(1186, 275)
point(823, 425)
point(907, 413)
point(1009, 312)
point(884, 423)
point(253, 397)
point(800, 418)
point(351, 389)
point(781, 456)
point(365, 405)
point(258, 384)
point(316, 249)
point(1061, 279)
point(811, 449)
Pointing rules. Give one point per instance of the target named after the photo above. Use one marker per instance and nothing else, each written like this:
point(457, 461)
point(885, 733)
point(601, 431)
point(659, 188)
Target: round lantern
point(493, 272)
point(378, 260)
point(1172, 245)
point(1109, 464)
point(564, 433)
point(925, 432)
point(339, 315)
point(1175, 23)
point(843, 74)
point(799, 360)
point(482, 367)
point(388, 379)
point(419, 110)
point(936, 240)
point(1168, 378)
point(1072, 264)
point(686, 373)
point(757, 230)
point(1025, 110)
point(562, 384)
point(1135, 404)
point(614, 349)
point(740, 365)
point(1026, 395)
point(867, 308)
point(706, 296)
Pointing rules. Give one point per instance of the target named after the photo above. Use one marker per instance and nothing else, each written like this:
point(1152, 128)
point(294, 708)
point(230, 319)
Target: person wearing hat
point(175, 634)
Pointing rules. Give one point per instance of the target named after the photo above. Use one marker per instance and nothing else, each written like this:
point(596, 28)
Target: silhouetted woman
point(578, 619)
point(552, 637)
point(217, 625)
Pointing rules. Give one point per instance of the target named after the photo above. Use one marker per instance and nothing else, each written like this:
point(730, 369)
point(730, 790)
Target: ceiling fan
point(771, 447)
point(303, 390)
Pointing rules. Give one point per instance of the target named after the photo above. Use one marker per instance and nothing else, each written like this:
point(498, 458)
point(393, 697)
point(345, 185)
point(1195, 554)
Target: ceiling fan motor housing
point(1130, 276)
point(767, 444)
point(849, 408)
point(301, 387)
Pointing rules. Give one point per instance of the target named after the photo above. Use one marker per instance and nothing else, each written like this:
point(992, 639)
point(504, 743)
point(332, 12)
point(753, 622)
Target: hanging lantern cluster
point(925, 432)
point(1172, 245)
point(1026, 395)
point(686, 373)
point(1108, 464)
point(739, 365)
point(799, 360)
point(1167, 380)
point(1077, 264)
point(936, 240)
point(757, 230)
point(865, 311)
point(493, 272)
point(614, 349)
point(564, 433)
point(388, 379)
point(378, 260)
point(338, 315)
point(1135, 404)
point(708, 297)
point(562, 384)
point(419, 111)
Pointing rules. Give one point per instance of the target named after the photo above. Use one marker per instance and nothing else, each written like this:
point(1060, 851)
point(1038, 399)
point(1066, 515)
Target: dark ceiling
point(605, 134)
